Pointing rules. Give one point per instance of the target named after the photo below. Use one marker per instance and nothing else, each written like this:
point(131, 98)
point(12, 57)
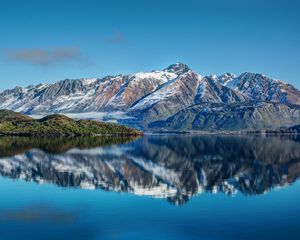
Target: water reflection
point(171, 167)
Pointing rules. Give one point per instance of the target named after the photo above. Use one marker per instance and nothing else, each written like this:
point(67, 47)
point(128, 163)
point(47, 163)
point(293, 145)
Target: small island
point(17, 124)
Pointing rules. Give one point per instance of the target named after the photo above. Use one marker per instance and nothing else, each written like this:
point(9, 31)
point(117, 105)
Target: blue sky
point(50, 40)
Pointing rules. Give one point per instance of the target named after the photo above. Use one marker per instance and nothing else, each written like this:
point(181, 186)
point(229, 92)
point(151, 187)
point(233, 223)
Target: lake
point(154, 187)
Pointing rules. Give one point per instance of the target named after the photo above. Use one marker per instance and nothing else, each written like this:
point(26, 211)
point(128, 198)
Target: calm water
point(155, 187)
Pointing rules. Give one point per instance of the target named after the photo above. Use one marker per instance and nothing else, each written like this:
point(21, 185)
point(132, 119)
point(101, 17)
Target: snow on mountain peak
point(178, 68)
point(226, 77)
point(156, 75)
point(88, 81)
point(263, 88)
point(214, 77)
point(163, 92)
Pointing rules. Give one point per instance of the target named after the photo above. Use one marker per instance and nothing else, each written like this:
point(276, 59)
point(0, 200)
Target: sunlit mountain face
point(171, 167)
point(175, 98)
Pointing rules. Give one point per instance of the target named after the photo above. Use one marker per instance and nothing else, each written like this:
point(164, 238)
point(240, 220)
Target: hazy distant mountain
point(143, 98)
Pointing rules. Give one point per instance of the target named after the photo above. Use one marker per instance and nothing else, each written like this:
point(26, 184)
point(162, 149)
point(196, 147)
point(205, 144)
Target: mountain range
point(175, 168)
point(175, 98)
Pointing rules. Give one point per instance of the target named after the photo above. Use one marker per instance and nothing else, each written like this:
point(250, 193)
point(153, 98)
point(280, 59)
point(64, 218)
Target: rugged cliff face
point(263, 88)
point(142, 99)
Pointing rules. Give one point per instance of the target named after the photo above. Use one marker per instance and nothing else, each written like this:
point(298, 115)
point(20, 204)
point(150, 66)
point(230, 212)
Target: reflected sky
point(155, 187)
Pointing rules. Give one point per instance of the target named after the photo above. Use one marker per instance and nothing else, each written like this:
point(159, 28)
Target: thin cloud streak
point(45, 57)
point(117, 38)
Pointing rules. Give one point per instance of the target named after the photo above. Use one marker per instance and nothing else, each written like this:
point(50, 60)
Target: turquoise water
point(156, 187)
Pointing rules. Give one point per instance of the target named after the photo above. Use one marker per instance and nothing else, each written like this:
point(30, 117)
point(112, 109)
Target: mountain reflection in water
point(174, 167)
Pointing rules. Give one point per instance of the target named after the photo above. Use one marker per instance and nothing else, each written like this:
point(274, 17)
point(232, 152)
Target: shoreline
point(71, 135)
point(222, 133)
point(192, 133)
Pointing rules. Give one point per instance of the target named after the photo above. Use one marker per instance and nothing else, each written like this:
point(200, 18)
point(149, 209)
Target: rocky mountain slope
point(246, 115)
point(142, 99)
point(262, 88)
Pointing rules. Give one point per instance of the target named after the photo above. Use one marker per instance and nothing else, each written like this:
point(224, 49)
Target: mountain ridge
point(147, 97)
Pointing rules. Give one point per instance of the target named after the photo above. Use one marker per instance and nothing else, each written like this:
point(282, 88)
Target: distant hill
point(251, 115)
point(12, 123)
point(7, 115)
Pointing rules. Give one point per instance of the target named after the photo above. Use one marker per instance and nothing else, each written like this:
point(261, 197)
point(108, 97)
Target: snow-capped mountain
point(261, 87)
point(145, 97)
point(112, 93)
